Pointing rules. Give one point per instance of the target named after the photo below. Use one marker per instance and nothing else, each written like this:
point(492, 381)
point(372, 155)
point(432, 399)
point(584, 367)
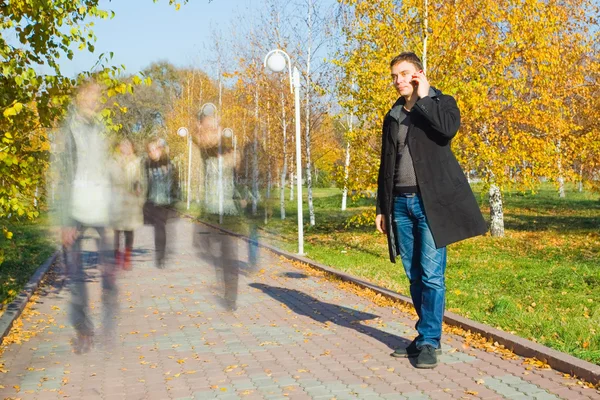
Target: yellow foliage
point(517, 77)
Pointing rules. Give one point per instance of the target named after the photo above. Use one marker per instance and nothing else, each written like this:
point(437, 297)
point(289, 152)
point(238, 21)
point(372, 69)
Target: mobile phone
point(414, 82)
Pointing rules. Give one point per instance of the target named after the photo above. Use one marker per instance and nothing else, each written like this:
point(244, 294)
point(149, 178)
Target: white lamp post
point(275, 60)
point(183, 132)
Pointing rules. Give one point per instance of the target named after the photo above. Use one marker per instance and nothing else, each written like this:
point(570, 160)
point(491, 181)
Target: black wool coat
point(450, 206)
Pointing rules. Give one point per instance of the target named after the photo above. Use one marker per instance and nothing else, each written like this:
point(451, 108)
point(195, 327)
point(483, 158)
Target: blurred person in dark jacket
point(162, 193)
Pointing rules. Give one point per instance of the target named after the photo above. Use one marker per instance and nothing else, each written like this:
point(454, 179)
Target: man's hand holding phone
point(421, 84)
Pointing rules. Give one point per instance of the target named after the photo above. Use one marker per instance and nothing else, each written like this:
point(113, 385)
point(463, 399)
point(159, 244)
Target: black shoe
point(427, 357)
point(404, 352)
point(411, 351)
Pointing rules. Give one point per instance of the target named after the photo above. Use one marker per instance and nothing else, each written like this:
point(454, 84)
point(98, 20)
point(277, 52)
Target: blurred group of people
point(113, 190)
point(103, 189)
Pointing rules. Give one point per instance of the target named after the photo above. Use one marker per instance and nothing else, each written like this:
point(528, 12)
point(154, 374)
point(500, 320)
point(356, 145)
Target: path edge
point(16, 307)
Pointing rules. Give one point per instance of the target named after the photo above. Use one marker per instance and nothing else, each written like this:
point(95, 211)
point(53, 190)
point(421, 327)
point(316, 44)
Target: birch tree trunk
point(561, 186)
point(291, 186)
point(347, 159)
point(311, 208)
point(266, 143)
point(561, 178)
point(346, 174)
point(35, 197)
point(246, 166)
point(285, 159)
point(496, 212)
point(425, 36)
point(347, 166)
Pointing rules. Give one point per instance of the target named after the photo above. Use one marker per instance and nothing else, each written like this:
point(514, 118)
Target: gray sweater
point(404, 176)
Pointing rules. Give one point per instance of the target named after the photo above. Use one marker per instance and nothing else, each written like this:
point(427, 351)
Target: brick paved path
point(293, 336)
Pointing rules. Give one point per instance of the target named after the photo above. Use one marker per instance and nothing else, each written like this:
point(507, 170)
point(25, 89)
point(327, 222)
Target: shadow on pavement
point(320, 311)
point(294, 275)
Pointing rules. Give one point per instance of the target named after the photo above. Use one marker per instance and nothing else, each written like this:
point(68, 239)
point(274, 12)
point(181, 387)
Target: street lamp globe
point(227, 132)
point(182, 132)
point(276, 62)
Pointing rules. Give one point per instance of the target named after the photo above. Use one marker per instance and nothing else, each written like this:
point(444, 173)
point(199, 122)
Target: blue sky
point(143, 32)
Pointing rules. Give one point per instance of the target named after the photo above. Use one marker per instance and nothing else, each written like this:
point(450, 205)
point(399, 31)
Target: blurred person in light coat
point(81, 199)
point(127, 199)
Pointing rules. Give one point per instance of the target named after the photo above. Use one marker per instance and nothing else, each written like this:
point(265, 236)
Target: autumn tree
point(149, 105)
point(502, 66)
point(312, 39)
point(32, 35)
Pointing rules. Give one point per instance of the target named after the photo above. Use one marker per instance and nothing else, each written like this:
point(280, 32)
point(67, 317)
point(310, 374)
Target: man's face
point(209, 124)
point(154, 151)
point(88, 99)
point(402, 76)
point(208, 132)
point(126, 148)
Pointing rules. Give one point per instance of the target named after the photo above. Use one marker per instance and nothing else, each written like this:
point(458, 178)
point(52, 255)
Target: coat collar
point(396, 110)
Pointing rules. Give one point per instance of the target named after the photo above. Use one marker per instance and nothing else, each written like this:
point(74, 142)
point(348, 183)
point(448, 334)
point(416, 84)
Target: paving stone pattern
point(292, 336)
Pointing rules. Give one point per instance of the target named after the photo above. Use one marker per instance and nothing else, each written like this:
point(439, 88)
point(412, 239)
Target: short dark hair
point(407, 56)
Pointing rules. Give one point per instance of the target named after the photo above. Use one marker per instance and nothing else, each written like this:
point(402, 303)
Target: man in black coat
point(424, 201)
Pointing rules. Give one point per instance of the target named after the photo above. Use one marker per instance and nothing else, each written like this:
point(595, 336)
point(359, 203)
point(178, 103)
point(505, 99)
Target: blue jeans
point(425, 266)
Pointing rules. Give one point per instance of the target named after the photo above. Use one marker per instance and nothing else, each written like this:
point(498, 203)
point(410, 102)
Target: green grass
point(29, 247)
point(541, 281)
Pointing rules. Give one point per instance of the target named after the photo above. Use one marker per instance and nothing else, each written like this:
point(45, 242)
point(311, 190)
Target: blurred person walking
point(81, 201)
point(219, 170)
point(128, 199)
point(162, 193)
